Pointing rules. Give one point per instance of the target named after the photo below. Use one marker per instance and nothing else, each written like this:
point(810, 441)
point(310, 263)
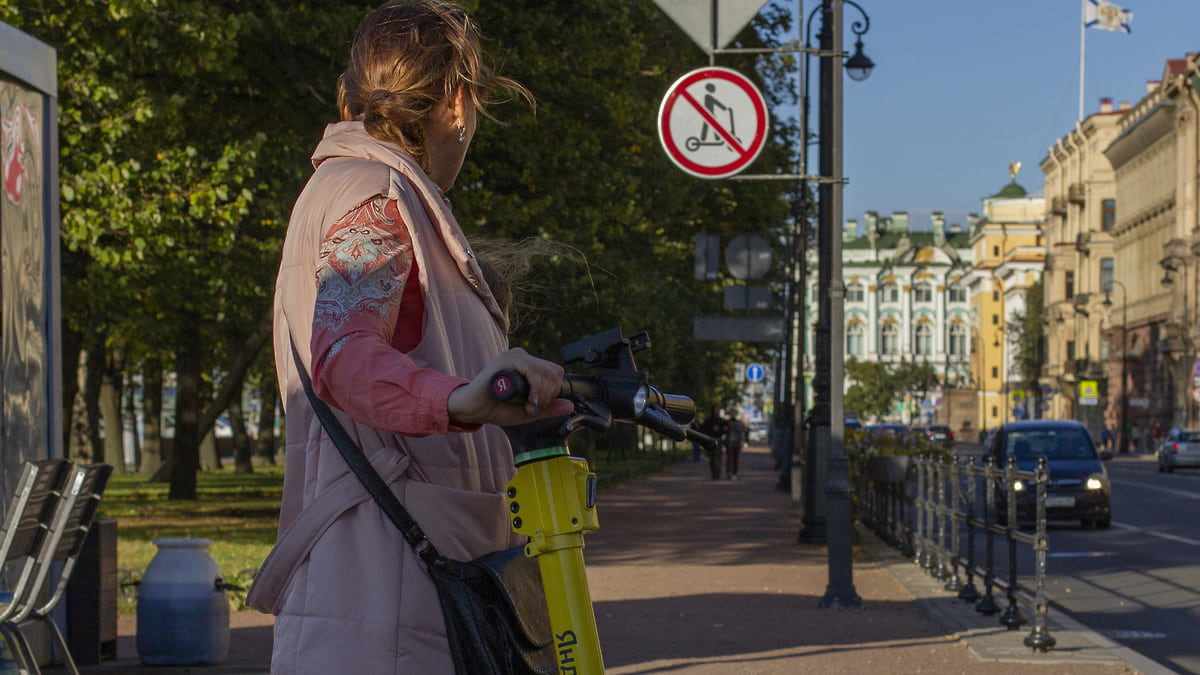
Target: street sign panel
point(1089, 392)
point(748, 257)
point(738, 328)
point(695, 17)
point(755, 372)
point(713, 122)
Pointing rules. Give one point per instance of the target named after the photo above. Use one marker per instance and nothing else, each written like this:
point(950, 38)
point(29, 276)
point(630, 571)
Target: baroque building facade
point(904, 301)
point(1008, 253)
point(1157, 249)
point(1082, 295)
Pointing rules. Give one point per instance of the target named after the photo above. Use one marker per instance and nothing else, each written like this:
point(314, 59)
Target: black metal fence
point(935, 513)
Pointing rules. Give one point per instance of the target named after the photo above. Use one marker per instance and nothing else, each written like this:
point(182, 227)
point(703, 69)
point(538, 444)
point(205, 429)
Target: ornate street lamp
point(828, 466)
point(1124, 342)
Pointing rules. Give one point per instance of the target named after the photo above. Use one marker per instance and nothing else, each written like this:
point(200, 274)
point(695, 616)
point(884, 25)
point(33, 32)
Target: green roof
point(1010, 191)
point(889, 240)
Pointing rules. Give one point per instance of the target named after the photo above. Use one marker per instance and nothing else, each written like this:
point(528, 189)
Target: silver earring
point(462, 133)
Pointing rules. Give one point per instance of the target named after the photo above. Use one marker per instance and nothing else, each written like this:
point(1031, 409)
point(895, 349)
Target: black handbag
point(495, 607)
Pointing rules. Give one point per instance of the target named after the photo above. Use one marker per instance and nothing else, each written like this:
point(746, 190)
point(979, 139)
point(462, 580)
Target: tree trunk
point(152, 447)
point(241, 440)
point(72, 349)
point(91, 399)
point(264, 445)
point(210, 454)
point(129, 420)
point(109, 402)
point(185, 450)
point(235, 372)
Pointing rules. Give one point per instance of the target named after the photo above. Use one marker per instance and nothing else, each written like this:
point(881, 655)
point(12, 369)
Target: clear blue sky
point(963, 87)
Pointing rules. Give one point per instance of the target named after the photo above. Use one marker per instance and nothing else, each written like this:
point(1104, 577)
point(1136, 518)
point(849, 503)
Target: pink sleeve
point(365, 262)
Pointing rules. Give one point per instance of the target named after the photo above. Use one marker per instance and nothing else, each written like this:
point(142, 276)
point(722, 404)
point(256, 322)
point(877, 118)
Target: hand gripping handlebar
point(616, 390)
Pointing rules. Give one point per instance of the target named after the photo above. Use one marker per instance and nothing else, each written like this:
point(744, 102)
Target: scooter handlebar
point(666, 414)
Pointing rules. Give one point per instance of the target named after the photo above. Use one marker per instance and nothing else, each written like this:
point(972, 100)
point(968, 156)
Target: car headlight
point(1094, 483)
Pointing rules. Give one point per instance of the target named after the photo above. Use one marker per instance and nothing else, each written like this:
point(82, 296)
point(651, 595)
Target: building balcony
point(1077, 194)
point(1083, 242)
point(1058, 206)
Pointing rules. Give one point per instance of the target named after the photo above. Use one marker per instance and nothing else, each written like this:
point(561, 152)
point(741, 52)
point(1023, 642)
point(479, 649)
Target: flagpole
point(1082, 43)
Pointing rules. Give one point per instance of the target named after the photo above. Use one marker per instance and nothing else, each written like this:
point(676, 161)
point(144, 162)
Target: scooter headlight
point(640, 398)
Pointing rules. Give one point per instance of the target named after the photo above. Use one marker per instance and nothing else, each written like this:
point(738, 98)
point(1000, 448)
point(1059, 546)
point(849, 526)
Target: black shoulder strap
point(367, 475)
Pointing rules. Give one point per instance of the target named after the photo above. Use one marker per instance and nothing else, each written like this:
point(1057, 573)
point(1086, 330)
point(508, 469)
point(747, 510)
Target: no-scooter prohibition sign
point(713, 122)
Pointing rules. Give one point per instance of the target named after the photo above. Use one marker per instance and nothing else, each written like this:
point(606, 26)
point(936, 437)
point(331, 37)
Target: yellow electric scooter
point(552, 498)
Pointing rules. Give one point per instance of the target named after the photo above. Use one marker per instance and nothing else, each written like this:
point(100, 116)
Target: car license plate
point(1059, 502)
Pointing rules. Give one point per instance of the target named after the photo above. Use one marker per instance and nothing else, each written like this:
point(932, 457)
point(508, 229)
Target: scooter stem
point(552, 500)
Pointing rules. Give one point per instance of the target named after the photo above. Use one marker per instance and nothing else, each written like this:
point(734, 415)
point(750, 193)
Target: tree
point(872, 391)
point(1027, 334)
point(185, 131)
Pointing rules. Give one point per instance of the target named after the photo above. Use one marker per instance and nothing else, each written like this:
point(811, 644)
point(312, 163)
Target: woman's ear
point(458, 105)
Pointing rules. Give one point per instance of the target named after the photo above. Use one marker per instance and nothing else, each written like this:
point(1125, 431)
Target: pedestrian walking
point(735, 440)
point(715, 426)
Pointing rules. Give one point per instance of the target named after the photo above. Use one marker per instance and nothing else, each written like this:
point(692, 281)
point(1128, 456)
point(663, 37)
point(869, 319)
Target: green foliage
point(871, 390)
point(876, 388)
point(185, 129)
point(862, 446)
point(1026, 334)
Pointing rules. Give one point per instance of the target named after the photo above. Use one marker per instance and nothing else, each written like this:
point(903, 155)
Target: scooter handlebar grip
point(681, 408)
point(508, 385)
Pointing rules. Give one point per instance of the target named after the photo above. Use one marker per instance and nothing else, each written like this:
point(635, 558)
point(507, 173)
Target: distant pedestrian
point(1106, 438)
point(1135, 436)
point(715, 426)
point(735, 439)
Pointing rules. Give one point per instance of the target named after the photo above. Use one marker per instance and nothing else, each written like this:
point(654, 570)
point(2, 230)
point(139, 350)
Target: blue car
point(1079, 488)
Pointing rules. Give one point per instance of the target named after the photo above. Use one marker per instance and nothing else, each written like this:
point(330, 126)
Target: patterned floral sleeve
point(365, 262)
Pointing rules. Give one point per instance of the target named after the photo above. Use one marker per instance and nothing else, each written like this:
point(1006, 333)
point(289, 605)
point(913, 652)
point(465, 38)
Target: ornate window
point(855, 339)
point(956, 294)
point(889, 340)
point(923, 340)
point(958, 340)
point(922, 292)
point(889, 293)
point(854, 292)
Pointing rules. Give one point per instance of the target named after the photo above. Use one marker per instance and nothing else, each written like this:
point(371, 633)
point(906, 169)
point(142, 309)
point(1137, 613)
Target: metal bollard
point(987, 605)
point(1039, 639)
point(919, 507)
point(954, 583)
point(969, 593)
point(1012, 617)
point(941, 571)
point(929, 560)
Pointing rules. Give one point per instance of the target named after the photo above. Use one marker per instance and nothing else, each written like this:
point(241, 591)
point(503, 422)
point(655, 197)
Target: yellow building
point(1157, 247)
point(1080, 297)
point(1008, 253)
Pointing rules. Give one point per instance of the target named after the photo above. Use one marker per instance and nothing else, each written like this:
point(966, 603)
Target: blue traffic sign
point(755, 372)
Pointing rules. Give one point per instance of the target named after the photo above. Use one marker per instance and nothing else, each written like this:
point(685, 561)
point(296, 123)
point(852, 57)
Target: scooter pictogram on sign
point(700, 119)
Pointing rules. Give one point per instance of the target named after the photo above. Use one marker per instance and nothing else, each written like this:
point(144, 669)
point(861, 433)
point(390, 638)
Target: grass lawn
point(240, 514)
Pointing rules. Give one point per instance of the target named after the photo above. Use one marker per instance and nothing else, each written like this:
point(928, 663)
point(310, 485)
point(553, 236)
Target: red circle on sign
point(678, 94)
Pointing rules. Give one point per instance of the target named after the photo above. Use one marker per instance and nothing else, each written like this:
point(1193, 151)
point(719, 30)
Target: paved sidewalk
point(695, 576)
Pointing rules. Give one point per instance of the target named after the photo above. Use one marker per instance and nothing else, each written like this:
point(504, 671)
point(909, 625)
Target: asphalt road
point(1138, 582)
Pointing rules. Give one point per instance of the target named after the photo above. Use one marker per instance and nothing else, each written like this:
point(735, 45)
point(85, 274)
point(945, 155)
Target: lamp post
point(1175, 263)
point(828, 419)
point(813, 529)
point(1124, 342)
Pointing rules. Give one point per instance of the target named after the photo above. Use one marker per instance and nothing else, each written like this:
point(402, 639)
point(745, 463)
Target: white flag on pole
point(1105, 15)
